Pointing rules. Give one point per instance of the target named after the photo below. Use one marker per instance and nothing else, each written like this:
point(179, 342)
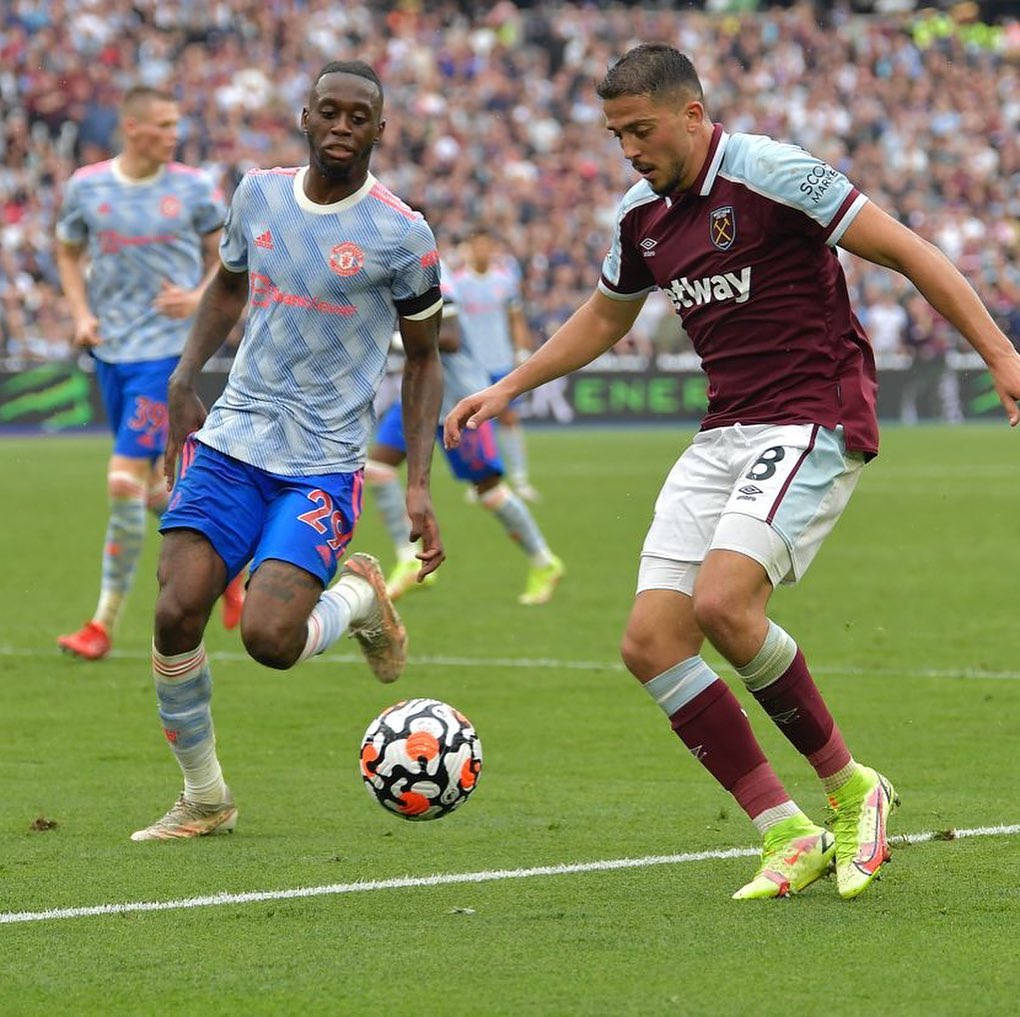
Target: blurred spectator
point(929, 338)
point(492, 114)
point(883, 318)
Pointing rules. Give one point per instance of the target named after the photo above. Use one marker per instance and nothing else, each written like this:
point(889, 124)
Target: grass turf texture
point(918, 577)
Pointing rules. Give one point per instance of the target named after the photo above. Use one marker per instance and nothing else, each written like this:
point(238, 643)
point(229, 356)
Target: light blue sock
point(678, 685)
point(389, 498)
point(125, 532)
point(511, 441)
point(518, 522)
point(348, 600)
point(771, 661)
point(184, 692)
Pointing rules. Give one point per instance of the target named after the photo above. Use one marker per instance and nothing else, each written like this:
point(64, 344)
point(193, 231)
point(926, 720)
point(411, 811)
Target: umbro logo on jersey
point(648, 246)
point(265, 241)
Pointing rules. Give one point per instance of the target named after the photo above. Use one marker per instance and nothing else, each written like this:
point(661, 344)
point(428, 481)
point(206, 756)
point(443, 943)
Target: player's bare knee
point(720, 612)
point(634, 654)
point(179, 620)
point(271, 644)
point(124, 486)
point(642, 651)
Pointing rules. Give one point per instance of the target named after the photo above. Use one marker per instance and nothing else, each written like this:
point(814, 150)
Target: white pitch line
point(550, 664)
point(452, 878)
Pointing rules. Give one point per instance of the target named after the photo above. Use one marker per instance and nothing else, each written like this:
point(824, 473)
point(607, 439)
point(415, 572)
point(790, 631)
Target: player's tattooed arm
point(218, 310)
point(421, 396)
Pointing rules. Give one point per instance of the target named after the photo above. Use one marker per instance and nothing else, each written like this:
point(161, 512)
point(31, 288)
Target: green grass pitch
point(908, 616)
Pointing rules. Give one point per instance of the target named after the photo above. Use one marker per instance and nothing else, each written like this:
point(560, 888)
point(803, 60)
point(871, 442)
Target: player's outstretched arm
point(593, 328)
point(220, 307)
point(878, 237)
point(421, 395)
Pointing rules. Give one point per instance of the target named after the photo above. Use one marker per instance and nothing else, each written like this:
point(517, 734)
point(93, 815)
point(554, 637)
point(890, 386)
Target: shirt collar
point(705, 179)
point(122, 178)
point(308, 205)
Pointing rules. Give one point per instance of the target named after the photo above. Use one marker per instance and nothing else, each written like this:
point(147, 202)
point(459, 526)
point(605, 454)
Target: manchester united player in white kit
point(739, 231)
point(136, 245)
point(328, 262)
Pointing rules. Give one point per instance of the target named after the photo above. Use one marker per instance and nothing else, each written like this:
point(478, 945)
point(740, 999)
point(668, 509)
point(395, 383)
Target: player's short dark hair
point(652, 69)
point(357, 67)
point(139, 95)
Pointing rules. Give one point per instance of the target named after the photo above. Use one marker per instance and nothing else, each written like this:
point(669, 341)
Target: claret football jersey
point(747, 258)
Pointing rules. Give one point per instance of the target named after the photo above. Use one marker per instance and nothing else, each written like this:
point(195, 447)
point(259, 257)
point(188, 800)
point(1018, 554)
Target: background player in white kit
point(476, 462)
point(739, 231)
point(332, 261)
point(149, 229)
point(495, 332)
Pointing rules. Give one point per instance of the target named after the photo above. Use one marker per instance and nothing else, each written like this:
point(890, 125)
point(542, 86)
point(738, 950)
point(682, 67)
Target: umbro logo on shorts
point(749, 492)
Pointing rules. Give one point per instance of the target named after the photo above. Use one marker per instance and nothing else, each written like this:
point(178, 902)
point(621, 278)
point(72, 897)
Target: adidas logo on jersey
point(265, 241)
point(687, 293)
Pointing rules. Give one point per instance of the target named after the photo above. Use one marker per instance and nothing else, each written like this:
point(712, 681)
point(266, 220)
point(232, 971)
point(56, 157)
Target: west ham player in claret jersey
point(148, 229)
point(739, 231)
point(328, 262)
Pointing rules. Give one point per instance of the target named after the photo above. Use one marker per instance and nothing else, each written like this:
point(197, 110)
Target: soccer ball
point(420, 758)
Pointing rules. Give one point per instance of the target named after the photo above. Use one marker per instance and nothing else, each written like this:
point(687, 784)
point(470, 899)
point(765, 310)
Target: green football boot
point(794, 854)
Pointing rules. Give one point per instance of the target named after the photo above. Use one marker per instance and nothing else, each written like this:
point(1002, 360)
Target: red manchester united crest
point(346, 259)
point(170, 206)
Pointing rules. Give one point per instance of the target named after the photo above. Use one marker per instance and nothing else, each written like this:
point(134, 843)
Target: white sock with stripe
point(184, 691)
point(346, 602)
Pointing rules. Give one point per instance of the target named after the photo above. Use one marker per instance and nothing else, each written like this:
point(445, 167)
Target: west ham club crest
point(722, 227)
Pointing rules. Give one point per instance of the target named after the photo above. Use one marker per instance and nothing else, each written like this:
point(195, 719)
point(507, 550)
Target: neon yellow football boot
point(861, 806)
point(542, 582)
point(403, 578)
point(794, 854)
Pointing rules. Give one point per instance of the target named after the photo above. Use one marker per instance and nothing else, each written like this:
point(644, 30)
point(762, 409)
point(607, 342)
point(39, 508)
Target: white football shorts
point(772, 492)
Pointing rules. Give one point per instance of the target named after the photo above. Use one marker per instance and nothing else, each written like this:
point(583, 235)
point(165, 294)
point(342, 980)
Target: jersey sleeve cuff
point(854, 202)
point(616, 295)
point(236, 269)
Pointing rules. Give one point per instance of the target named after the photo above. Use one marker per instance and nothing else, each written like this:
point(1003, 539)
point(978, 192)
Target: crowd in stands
point(492, 116)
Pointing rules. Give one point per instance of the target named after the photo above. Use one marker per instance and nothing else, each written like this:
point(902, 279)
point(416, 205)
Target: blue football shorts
point(476, 459)
point(248, 514)
point(134, 395)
